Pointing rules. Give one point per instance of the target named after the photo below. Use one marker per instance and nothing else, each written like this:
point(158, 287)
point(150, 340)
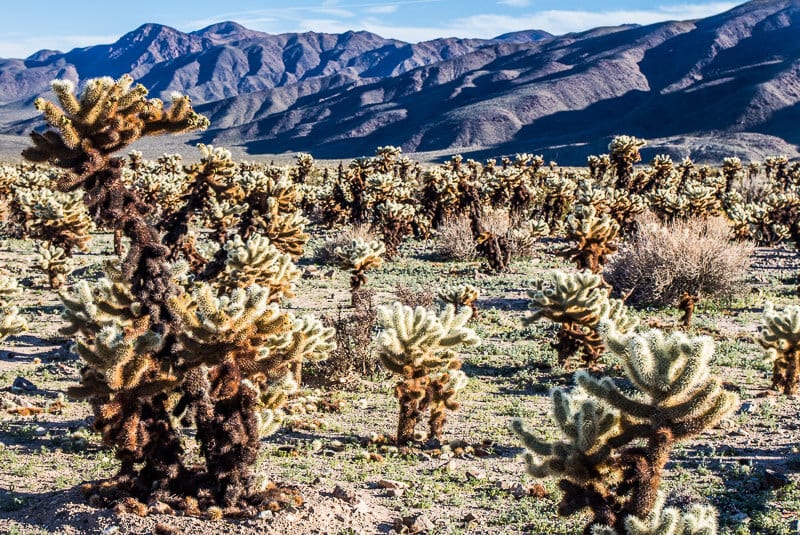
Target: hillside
point(727, 83)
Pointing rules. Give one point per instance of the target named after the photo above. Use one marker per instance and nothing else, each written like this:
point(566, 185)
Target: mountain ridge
point(727, 78)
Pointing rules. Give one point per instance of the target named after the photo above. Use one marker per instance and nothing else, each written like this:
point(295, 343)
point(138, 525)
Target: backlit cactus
point(11, 322)
point(780, 336)
point(463, 295)
point(599, 460)
point(579, 302)
point(594, 238)
point(53, 261)
point(420, 346)
point(359, 256)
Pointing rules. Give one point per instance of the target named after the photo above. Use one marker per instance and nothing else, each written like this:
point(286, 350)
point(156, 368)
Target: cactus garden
point(191, 343)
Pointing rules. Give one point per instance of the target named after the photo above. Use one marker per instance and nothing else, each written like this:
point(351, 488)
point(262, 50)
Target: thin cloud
point(515, 3)
point(22, 47)
point(554, 21)
point(381, 10)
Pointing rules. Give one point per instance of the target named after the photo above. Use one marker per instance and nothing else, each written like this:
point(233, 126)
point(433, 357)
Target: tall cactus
point(579, 302)
point(780, 336)
point(359, 256)
point(419, 346)
point(160, 345)
point(599, 459)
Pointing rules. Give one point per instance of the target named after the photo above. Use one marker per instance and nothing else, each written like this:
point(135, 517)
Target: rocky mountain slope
point(725, 84)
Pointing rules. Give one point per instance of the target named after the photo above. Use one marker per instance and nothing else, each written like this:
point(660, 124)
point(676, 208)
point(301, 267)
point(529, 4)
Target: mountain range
point(724, 85)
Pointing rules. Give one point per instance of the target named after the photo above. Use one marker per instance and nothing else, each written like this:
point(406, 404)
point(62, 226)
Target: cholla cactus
point(359, 256)
point(780, 336)
point(699, 520)
point(599, 460)
point(594, 236)
point(419, 346)
point(53, 261)
point(463, 295)
point(57, 218)
point(259, 262)
point(579, 302)
point(216, 359)
point(623, 153)
point(11, 322)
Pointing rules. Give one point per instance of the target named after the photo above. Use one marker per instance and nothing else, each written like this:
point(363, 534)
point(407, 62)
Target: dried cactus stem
point(571, 338)
point(412, 395)
point(686, 304)
point(357, 281)
point(495, 250)
point(786, 374)
point(119, 250)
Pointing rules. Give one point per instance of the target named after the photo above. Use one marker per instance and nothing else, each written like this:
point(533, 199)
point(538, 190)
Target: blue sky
point(63, 25)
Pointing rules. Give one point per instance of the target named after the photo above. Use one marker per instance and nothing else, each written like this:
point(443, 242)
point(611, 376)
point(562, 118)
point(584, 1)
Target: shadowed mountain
point(731, 81)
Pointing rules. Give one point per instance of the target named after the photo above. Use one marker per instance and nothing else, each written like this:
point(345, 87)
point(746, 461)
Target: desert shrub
point(414, 297)
point(324, 253)
point(454, 239)
point(661, 263)
point(354, 354)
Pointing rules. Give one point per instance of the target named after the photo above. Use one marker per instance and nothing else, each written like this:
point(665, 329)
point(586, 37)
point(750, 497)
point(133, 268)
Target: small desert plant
point(10, 321)
point(359, 256)
point(614, 446)
point(661, 263)
point(418, 345)
point(780, 336)
point(414, 297)
point(325, 253)
point(354, 354)
point(454, 239)
point(53, 261)
point(463, 295)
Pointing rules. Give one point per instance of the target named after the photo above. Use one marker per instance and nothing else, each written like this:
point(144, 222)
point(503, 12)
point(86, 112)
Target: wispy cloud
point(491, 25)
point(382, 10)
point(22, 47)
point(515, 3)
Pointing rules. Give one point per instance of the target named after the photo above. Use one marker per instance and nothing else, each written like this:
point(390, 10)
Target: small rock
point(111, 530)
point(291, 518)
point(395, 493)
point(774, 479)
point(747, 408)
point(361, 507)
point(344, 494)
point(518, 490)
point(469, 518)
point(337, 445)
point(391, 484)
point(40, 431)
point(476, 474)
point(418, 523)
point(20, 383)
point(266, 514)
point(424, 457)
point(503, 485)
point(740, 518)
